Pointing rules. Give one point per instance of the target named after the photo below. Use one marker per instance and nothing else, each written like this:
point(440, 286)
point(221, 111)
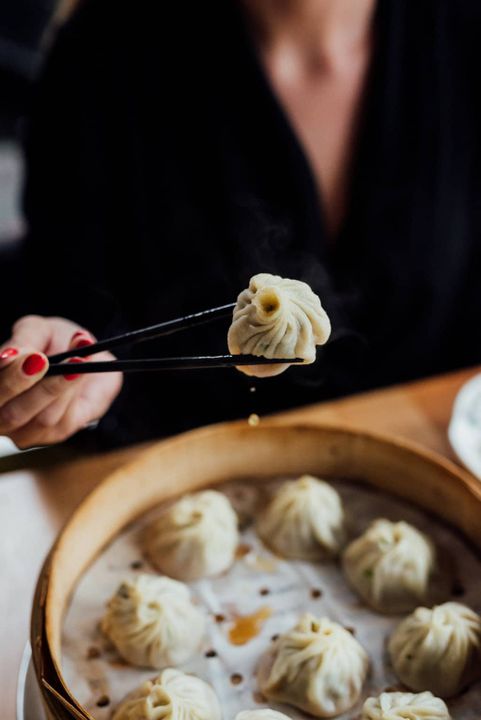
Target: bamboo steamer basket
point(210, 456)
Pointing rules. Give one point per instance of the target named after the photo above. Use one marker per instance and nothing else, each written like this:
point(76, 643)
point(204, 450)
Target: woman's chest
point(323, 108)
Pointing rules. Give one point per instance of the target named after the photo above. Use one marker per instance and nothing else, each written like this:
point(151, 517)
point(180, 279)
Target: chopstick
point(173, 363)
point(149, 333)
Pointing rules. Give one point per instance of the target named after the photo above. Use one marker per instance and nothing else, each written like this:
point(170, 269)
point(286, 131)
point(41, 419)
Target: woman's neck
point(327, 31)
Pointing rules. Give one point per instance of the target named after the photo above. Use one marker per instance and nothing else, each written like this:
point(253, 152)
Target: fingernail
point(34, 364)
point(83, 342)
point(8, 353)
point(76, 375)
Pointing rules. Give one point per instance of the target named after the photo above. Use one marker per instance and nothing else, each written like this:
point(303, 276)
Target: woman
point(175, 152)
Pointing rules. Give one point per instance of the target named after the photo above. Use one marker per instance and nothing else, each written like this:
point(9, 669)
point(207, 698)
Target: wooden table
point(36, 499)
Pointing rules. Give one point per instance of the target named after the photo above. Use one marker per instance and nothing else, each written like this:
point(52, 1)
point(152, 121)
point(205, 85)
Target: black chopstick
point(149, 333)
point(173, 363)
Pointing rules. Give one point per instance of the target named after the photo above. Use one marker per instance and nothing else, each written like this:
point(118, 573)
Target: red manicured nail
point(83, 342)
point(79, 332)
point(34, 364)
point(76, 375)
point(8, 353)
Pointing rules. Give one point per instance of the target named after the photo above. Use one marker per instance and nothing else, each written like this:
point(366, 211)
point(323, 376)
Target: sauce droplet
point(247, 627)
point(253, 420)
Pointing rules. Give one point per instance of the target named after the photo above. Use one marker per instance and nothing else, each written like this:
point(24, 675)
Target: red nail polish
point(8, 353)
point(34, 364)
point(83, 342)
point(79, 332)
point(76, 375)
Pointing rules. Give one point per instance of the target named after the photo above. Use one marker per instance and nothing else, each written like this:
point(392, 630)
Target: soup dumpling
point(277, 318)
point(152, 622)
point(393, 567)
point(438, 649)
point(318, 666)
point(196, 537)
point(404, 706)
point(266, 714)
point(304, 520)
point(172, 695)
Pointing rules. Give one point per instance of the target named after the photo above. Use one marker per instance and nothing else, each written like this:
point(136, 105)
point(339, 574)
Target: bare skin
point(316, 54)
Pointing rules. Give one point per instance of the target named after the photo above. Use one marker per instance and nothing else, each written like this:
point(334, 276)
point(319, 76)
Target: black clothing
point(163, 173)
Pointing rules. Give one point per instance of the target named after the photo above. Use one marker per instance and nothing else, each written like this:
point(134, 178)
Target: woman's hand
point(34, 411)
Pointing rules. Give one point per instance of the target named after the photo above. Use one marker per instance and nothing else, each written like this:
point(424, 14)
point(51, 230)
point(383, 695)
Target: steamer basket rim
point(45, 665)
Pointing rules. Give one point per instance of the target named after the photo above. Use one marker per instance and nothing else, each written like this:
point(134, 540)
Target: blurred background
point(26, 28)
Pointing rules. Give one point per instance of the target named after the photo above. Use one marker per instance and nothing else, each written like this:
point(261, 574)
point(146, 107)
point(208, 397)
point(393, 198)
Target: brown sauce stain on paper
point(247, 627)
point(242, 550)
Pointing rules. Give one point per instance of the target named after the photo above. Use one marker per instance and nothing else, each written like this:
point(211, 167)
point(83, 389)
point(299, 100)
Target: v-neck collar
point(320, 242)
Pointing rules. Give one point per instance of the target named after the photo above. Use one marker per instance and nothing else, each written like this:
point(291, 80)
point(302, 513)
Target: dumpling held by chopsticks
point(277, 318)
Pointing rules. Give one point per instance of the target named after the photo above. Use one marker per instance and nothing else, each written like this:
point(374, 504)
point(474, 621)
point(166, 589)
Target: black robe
point(162, 172)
